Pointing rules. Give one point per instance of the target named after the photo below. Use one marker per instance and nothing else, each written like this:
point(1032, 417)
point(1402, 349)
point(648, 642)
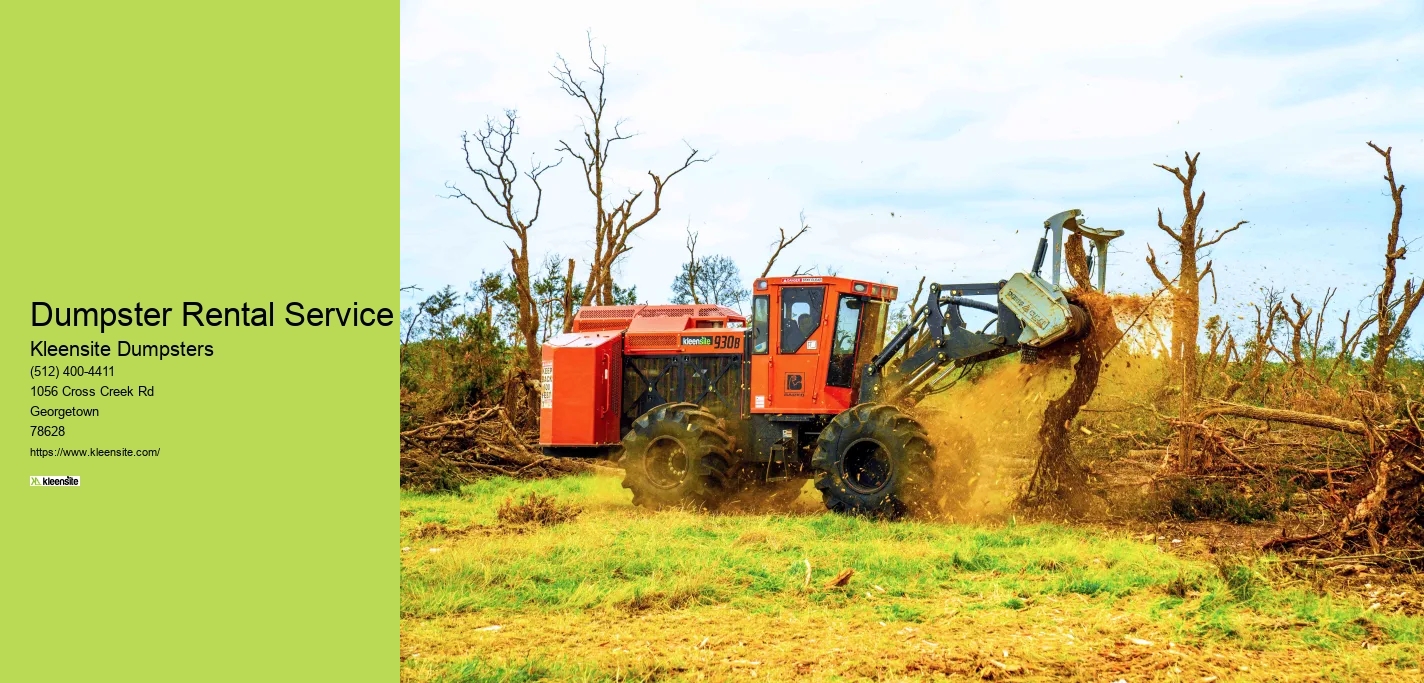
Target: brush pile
point(442, 456)
point(1380, 516)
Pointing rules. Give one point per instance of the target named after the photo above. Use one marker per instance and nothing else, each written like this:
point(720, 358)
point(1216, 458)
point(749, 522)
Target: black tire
point(677, 454)
point(874, 460)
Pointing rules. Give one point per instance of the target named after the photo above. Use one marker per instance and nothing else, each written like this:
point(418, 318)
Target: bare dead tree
point(1261, 344)
point(1217, 333)
point(414, 317)
point(614, 221)
point(1218, 359)
point(915, 300)
point(1297, 325)
point(489, 160)
point(1391, 315)
point(1349, 342)
point(568, 300)
point(1318, 327)
point(912, 307)
point(782, 243)
point(1186, 295)
point(1228, 353)
point(692, 263)
point(410, 329)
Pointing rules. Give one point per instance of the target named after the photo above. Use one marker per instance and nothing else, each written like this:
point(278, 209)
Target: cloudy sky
point(934, 138)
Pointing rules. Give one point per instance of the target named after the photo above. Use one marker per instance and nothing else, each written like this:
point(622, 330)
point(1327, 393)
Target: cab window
point(872, 334)
point(761, 330)
point(841, 370)
point(800, 316)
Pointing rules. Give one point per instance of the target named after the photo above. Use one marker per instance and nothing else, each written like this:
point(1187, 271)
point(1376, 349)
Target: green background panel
point(170, 152)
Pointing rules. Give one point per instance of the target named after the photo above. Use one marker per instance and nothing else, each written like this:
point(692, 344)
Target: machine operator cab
point(810, 337)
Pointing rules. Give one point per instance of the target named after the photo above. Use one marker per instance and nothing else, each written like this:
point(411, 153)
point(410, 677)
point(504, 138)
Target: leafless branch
point(1152, 262)
point(1204, 243)
point(782, 243)
point(1317, 328)
point(1202, 275)
point(692, 262)
point(1162, 225)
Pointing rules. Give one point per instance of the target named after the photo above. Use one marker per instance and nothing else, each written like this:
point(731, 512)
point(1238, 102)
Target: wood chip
point(841, 579)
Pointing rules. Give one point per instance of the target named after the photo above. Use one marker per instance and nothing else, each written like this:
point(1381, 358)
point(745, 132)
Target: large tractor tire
point(874, 460)
point(677, 454)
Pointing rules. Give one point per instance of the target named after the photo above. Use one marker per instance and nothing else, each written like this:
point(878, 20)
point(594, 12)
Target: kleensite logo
point(54, 481)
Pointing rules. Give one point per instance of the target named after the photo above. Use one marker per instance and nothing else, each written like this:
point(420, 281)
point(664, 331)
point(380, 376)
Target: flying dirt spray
point(988, 431)
point(1059, 482)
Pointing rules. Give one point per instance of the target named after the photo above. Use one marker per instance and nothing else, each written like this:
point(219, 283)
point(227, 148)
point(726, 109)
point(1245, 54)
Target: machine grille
point(652, 341)
point(665, 312)
point(713, 382)
point(601, 326)
point(623, 312)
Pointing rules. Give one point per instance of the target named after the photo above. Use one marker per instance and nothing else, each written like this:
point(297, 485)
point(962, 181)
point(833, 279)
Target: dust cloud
point(989, 431)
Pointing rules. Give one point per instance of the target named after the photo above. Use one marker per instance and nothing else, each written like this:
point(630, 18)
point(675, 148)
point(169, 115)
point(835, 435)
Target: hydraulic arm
point(1029, 313)
point(937, 340)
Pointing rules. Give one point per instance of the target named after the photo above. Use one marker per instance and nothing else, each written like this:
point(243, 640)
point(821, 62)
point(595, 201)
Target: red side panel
point(581, 389)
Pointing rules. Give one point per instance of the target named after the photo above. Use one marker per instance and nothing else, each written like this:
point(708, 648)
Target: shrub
point(1193, 501)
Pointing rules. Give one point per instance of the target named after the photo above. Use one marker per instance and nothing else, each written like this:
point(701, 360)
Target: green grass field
point(621, 593)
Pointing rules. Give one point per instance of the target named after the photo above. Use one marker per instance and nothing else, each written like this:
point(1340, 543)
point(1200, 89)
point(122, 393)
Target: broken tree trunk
point(1060, 483)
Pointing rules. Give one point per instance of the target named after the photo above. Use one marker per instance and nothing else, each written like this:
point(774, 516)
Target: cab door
point(795, 370)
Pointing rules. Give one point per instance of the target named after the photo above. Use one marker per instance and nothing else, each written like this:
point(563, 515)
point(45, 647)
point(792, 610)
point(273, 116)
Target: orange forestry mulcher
point(700, 402)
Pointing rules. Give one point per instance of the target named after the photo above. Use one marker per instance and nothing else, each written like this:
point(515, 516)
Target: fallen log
point(1279, 415)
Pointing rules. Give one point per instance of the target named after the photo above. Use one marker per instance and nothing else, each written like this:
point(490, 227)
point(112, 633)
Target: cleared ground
point(621, 593)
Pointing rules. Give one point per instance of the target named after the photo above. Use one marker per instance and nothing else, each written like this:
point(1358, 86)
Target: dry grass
point(1056, 638)
point(621, 593)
